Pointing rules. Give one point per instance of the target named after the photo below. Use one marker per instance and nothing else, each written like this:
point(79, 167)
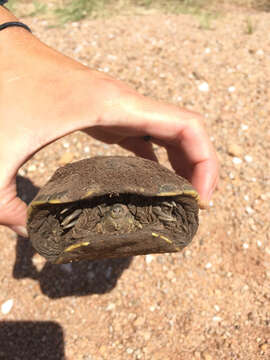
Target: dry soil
point(212, 301)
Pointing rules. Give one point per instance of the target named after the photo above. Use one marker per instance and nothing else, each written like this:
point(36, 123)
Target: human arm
point(45, 95)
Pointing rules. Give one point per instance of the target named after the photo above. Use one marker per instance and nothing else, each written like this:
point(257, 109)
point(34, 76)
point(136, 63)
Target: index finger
point(193, 156)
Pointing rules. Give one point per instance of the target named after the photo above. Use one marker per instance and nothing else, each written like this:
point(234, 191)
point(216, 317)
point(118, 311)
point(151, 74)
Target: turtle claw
point(64, 211)
point(70, 224)
point(67, 222)
point(167, 218)
point(161, 215)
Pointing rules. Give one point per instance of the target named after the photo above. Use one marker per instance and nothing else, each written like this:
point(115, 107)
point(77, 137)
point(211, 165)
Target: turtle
point(111, 207)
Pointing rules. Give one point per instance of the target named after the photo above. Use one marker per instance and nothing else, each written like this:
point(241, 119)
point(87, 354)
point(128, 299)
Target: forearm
point(11, 32)
point(6, 15)
point(12, 41)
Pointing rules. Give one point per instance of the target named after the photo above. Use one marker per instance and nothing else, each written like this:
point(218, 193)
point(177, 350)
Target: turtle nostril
point(117, 211)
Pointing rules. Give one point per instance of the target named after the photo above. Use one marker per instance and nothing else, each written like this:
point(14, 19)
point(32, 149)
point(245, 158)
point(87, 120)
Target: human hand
point(45, 95)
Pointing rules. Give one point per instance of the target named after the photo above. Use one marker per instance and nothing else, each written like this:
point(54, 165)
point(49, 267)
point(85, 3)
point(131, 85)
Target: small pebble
point(204, 87)
point(245, 246)
point(32, 168)
point(139, 321)
point(149, 258)
point(207, 356)
point(249, 210)
point(111, 57)
point(7, 306)
point(21, 172)
point(248, 158)
point(217, 318)
point(188, 253)
point(264, 347)
point(235, 150)
point(105, 69)
point(38, 261)
point(66, 158)
point(207, 51)
point(87, 149)
point(260, 52)
point(265, 196)
point(244, 127)
point(237, 160)
point(208, 265)
point(146, 335)
point(231, 89)
point(78, 49)
point(111, 306)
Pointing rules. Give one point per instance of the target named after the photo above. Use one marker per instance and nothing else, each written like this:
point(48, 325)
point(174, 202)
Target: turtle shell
point(112, 206)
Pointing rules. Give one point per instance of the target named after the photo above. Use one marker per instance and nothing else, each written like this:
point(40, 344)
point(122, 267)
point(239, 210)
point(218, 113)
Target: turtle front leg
point(71, 219)
point(164, 211)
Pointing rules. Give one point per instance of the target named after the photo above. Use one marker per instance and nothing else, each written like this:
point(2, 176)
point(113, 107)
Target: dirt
point(211, 301)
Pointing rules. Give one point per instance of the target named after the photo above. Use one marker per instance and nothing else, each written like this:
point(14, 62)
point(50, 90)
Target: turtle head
point(117, 218)
point(118, 211)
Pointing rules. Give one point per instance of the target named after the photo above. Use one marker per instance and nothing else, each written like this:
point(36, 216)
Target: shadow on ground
point(56, 281)
point(42, 340)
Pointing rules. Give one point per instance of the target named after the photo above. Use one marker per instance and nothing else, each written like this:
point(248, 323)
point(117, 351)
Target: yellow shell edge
point(75, 246)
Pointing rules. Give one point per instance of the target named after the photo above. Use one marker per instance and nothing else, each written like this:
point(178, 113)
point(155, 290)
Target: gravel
point(212, 301)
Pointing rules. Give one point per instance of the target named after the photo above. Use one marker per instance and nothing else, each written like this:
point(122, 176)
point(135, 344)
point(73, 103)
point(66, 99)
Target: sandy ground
point(212, 301)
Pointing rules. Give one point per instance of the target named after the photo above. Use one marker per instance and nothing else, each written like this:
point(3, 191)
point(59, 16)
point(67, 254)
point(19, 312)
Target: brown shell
point(109, 176)
point(106, 175)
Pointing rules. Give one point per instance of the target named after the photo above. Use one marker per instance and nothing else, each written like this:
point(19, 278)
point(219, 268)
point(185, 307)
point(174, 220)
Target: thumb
point(13, 210)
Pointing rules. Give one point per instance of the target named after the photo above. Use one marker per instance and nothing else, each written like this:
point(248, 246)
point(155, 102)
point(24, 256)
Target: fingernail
point(204, 205)
point(21, 230)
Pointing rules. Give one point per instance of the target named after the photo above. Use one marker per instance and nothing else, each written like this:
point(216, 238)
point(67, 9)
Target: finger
point(13, 214)
point(13, 211)
point(139, 147)
point(20, 230)
point(180, 162)
point(197, 161)
point(199, 150)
